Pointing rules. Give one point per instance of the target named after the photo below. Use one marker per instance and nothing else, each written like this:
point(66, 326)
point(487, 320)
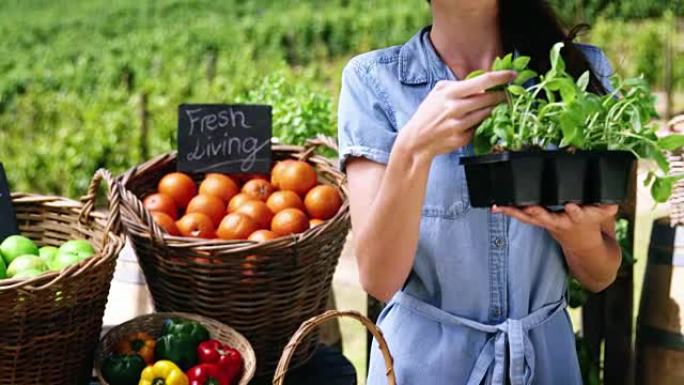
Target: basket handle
point(319, 141)
point(311, 324)
point(113, 197)
point(132, 202)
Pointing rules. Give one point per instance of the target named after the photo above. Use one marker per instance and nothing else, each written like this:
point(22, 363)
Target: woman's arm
point(586, 235)
point(386, 201)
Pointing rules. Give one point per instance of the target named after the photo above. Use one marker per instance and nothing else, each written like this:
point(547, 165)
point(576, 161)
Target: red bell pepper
point(226, 358)
point(207, 374)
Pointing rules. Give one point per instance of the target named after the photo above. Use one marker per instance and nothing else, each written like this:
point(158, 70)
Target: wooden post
point(668, 68)
point(212, 56)
point(143, 114)
point(607, 316)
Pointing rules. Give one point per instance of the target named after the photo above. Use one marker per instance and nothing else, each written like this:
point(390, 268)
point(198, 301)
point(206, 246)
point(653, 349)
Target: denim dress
point(485, 300)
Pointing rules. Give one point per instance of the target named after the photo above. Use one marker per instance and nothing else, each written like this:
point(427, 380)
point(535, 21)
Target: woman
point(476, 296)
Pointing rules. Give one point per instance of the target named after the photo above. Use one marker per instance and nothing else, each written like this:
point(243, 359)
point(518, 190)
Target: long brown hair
point(531, 27)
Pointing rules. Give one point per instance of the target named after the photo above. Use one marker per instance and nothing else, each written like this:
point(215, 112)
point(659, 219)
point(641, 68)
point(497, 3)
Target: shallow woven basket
point(263, 290)
point(153, 324)
point(313, 323)
point(50, 324)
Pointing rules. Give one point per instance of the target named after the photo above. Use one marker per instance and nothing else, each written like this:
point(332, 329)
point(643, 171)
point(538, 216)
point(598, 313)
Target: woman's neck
point(466, 34)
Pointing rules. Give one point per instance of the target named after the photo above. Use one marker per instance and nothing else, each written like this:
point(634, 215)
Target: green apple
point(25, 262)
point(79, 246)
point(63, 260)
point(47, 253)
point(3, 269)
point(15, 246)
point(30, 273)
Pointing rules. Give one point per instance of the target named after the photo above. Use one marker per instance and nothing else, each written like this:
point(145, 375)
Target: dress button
point(498, 242)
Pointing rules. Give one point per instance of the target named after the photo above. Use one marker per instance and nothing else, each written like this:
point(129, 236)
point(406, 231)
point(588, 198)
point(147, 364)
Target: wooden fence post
point(607, 316)
point(143, 115)
point(668, 67)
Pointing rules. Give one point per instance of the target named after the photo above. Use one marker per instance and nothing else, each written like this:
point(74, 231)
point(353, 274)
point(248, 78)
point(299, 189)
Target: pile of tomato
point(255, 207)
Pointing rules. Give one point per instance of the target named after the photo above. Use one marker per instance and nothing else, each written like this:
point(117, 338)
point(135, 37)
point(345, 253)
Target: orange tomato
point(165, 221)
point(284, 199)
point(163, 203)
point(322, 202)
point(258, 211)
point(297, 176)
point(179, 186)
point(277, 170)
point(236, 226)
point(196, 225)
point(219, 185)
point(210, 205)
point(290, 221)
point(238, 201)
point(315, 222)
point(259, 189)
point(262, 236)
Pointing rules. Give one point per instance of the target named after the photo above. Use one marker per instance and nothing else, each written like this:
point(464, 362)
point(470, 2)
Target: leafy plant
point(557, 111)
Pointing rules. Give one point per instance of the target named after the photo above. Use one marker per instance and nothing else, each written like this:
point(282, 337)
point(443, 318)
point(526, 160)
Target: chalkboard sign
point(8, 222)
point(224, 138)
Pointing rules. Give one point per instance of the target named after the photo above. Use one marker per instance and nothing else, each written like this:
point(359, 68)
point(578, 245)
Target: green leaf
point(557, 62)
point(571, 126)
point(583, 81)
point(671, 142)
point(524, 76)
point(649, 178)
point(565, 86)
point(507, 62)
point(516, 89)
point(661, 160)
point(497, 65)
point(661, 189)
point(520, 63)
point(475, 74)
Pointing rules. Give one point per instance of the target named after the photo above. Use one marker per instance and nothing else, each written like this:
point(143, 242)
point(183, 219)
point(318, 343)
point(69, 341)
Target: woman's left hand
point(586, 234)
point(566, 225)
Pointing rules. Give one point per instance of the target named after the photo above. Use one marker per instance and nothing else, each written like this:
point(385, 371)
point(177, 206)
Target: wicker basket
point(312, 324)
point(286, 281)
point(51, 323)
point(153, 324)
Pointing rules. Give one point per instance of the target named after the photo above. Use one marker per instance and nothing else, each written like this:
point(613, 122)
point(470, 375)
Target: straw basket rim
point(133, 325)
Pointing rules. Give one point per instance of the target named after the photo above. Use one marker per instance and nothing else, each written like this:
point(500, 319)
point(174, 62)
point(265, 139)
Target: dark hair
point(531, 27)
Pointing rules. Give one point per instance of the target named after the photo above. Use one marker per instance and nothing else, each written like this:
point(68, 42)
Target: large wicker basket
point(153, 324)
point(286, 280)
point(50, 324)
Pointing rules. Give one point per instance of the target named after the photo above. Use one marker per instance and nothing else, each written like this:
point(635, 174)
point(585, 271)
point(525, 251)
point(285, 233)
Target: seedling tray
point(548, 178)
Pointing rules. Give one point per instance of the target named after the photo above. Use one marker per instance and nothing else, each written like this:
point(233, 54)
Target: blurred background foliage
point(82, 78)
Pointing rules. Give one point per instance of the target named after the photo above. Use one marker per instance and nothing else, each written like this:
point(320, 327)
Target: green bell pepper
point(194, 330)
point(178, 348)
point(121, 369)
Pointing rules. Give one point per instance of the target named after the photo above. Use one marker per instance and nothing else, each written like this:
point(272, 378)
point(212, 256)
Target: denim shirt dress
point(485, 300)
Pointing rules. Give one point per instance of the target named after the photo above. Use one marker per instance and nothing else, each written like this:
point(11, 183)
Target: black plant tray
point(548, 178)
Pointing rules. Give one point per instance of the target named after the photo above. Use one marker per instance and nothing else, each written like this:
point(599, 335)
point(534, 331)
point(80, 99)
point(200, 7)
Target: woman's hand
point(386, 200)
point(446, 119)
point(586, 234)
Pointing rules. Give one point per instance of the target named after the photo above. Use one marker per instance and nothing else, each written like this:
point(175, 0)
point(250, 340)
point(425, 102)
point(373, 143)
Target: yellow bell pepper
point(163, 372)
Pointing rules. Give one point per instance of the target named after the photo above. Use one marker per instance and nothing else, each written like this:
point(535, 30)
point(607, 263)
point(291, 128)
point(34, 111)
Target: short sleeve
point(364, 126)
point(599, 64)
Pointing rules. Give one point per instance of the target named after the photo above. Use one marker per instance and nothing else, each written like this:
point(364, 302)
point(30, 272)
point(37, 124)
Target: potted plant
point(554, 142)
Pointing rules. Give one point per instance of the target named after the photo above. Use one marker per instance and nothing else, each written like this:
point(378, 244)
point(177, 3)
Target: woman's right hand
point(445, 120)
